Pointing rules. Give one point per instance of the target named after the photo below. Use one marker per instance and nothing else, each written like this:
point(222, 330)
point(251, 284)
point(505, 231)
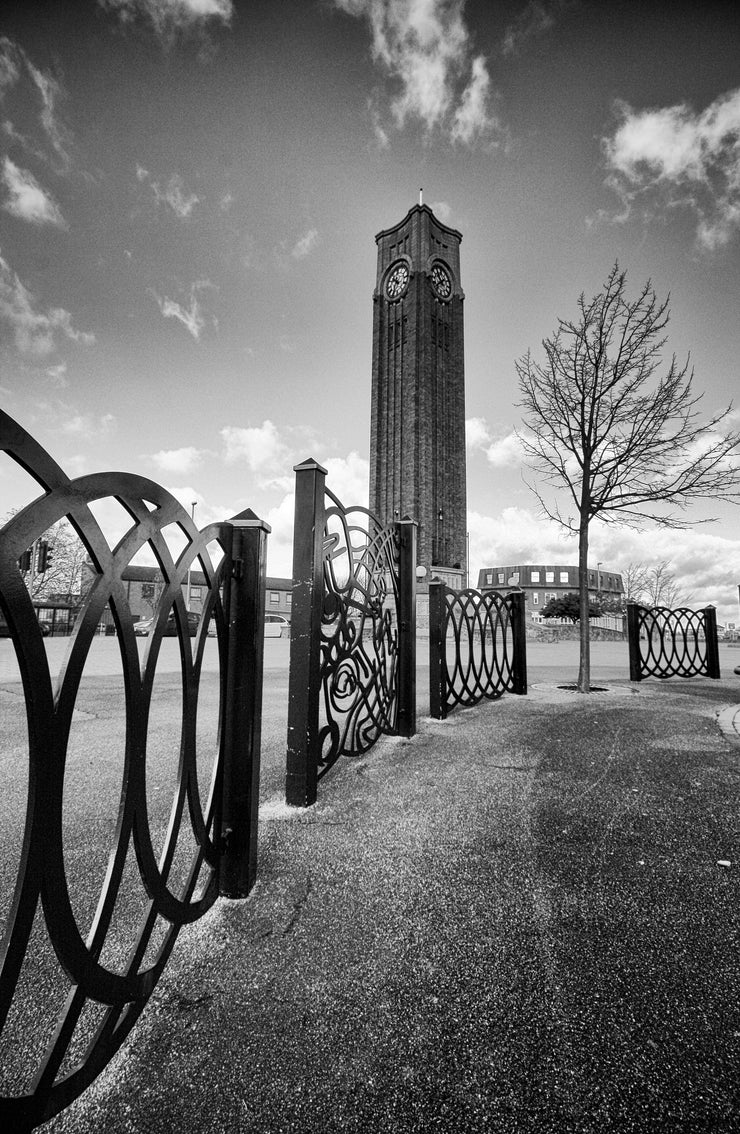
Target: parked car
point(275, 624)
point(144, 628)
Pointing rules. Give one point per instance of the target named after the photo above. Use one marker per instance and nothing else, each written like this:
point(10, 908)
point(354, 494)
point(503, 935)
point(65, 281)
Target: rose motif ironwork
point(359, 632)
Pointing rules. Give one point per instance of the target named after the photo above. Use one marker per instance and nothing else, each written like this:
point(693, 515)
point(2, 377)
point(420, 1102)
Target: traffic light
point(43, 560)
point(24, 562)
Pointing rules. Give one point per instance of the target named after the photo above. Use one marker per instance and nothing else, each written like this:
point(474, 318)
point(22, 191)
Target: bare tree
point(55, 564)
point(623, 443)
point(635, 580)
point(662, 588)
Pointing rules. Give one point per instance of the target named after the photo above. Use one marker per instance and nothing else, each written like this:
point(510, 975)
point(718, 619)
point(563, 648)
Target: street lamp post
point(192, 517)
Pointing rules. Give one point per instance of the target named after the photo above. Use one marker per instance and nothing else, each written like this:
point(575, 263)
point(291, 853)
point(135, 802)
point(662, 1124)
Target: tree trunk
point(584, 668)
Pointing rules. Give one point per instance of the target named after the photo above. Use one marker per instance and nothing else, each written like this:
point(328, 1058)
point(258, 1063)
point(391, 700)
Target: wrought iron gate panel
point(477, 647)
point(353, 633)
point(41, 883)
point(672, 643)
point(359, 632)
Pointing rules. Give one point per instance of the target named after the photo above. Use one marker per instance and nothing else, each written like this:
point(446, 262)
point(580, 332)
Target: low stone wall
point(537, 633)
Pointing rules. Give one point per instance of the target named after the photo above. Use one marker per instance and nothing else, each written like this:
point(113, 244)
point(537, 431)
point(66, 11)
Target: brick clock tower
point(417, 432)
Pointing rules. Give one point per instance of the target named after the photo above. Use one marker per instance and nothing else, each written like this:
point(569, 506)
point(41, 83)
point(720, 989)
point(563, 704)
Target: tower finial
point(421, 196)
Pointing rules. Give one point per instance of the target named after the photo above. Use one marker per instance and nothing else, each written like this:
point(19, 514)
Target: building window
point(195, 592)
point(489, 579)
point(549, 576)
point(564, 577)
point(289, 599)
point(274, 598)
point(535, 598)
point(501, 577)
point(535, 576)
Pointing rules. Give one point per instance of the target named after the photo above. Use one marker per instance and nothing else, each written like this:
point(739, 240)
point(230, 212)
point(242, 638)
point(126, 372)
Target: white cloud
point(10, 64)
point(169, 17)
point(424, 47)
point(305, 244)
point(174, 193)
point(35, 330)
point(677, 156)
point(192, 317)
point(88, 425)
point(180, 461)
point(501, 452)
point(706, 566)
point(534, 19)
point(27, 199)
point(260, 446)
point(349, 478)
point(57, 374)
point(476, 433)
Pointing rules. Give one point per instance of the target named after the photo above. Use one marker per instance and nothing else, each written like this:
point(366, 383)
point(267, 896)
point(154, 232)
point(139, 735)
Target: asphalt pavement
point(523, 919)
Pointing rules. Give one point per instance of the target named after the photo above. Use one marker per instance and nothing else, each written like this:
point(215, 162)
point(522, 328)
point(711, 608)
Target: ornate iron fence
point(353, 633)
point(672, 643)
point(477, 647)
point(98, 982)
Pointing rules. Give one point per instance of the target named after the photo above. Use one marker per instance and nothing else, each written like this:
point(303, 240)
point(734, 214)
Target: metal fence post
point(519, 634)
point(710, 639)
point(633, 641)
point(406, 532)
point(437, 651)
point(304, 682)
point(242, 707)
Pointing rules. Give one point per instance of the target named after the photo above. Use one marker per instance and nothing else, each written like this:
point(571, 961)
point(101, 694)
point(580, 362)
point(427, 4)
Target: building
point(544, 581)
point(417, 432)
point(144, 584)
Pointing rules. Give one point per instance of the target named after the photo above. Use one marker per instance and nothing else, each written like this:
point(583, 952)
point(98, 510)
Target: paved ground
point(525, 919)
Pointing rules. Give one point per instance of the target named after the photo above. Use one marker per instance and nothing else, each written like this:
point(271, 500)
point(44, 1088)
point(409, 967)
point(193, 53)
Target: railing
point(672, 643)
point(477, 647)
point(353, 633)
point(69, 995)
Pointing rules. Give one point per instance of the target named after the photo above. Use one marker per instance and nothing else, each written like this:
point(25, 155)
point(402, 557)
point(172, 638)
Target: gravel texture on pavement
point(523, 919)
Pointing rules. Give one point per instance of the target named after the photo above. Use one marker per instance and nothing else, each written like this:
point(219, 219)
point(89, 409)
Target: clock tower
point(417, 432)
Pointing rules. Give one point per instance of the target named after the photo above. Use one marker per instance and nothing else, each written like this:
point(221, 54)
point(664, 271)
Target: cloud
point(14, 63)
point(10, 64)
point(57, 374)
point(675, 156)
point(501, 452)
point(88, 426)
point(172, 17)
point(305, 245)
point(534, 19)
point(260, 446)
point(181, 461)
point(706, 566)
point(27, 199)
point(192, 317)
point(476, 433)
point(35, 330)
point(424, 47)
point(174, 194)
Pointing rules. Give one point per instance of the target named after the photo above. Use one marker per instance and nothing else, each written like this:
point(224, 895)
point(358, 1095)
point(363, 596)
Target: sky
point(190, 192)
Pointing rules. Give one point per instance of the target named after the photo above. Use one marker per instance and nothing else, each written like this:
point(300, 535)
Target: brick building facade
point(417, 432)
point(544, 581)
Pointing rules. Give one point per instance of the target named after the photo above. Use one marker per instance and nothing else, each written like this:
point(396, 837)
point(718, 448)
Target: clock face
point(397, 281)
point(441, 281)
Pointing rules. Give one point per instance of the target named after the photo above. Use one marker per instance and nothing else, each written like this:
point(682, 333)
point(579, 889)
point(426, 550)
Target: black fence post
point(304, 682)
point(242, 710)
point(710, 639)
point(519, 634)
point(633, 641)
point(406, 533)
point(437, 651)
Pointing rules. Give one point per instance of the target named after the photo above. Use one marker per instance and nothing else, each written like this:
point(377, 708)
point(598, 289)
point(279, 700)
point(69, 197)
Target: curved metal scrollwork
point(477, 642)
point(40, 896)
point(672, 643)
point(359, 632)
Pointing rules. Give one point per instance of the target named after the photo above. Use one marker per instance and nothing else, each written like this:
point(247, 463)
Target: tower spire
point(421, 196)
